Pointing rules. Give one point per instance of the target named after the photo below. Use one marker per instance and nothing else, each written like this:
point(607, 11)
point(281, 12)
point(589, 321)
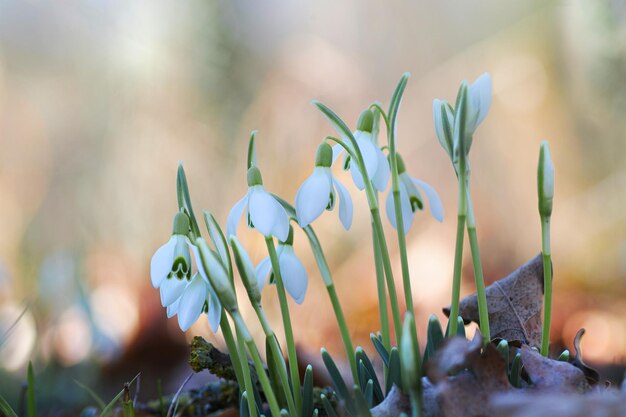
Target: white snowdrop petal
point(161, 263)
point(171, 289)
point(172, 309)
point(199, 264)
point(234, 216)
point(345, 204)
point(267, 215)
point(262, 270)
point(215, 311)
point(436, 207)
point(312, 196)
point(356, 176)
point(480, 96)
point(381, 177)
point(294, 274)
point(369, 152)
point(405, 207)
point(337, 151)
point(192, 302)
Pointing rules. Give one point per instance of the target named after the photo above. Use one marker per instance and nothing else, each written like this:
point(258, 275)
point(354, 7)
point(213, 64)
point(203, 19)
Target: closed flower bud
point(545, 180)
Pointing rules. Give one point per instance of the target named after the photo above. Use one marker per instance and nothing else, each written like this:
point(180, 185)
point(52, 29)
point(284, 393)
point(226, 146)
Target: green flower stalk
point(455, 129)
point(545, 190)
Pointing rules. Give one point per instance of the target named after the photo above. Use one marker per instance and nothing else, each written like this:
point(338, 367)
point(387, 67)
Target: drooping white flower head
point(263, 211)
point(374, 159)
point(320, 191)
point(182, 294)
point(411, 200)
point(292, 271)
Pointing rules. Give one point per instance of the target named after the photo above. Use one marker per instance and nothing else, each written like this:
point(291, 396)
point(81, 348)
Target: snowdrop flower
point(374, 159)
point(478, 105)
point(293, 273)
point(411, 200)
point(264, 212)
point(170, 267)
point(182, 294)
point(320, 191)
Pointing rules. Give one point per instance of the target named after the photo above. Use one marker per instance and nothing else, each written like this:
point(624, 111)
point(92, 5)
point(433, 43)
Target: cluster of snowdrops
point(195, 276)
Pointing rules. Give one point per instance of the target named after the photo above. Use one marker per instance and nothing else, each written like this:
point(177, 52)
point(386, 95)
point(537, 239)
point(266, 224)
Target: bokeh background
point(99, 101)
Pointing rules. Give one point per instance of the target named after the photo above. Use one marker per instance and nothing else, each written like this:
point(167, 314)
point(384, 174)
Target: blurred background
point(99, 101)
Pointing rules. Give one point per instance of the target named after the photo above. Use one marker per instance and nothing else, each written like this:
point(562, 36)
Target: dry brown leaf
point(596, 404)
point(466, 376)
point(514, 304)
point(396, 403)
point(548, 375)
point(593, 377)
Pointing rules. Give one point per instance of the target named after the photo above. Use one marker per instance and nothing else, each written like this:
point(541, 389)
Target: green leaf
point(394, 372)
point(340, 385)
point(361, 409)
point(244, 411)
point(184, 200)
point(516, 371)
point(252, 150)
point(5, 408)
point(93, 394)
point(219, 240)
point(380, 348)
point(31, 405)
point(435, 337)
point(339, 125)
point(328, 407)
point(370, 373)
point(394, 106)
point(368, 393)
point(274, 372)
point(307, 392)
point(503, 348)
point(109, 407)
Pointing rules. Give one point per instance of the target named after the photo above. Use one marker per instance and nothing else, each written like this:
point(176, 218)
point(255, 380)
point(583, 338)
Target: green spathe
point(366, 121)
point(324, 155)
point(254, 177)
point(545, 180)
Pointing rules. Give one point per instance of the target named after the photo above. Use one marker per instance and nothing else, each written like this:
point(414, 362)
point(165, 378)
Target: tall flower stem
point(458, 254)
point(395, 189)
point(374, 210)
point(284, 309)
point(278, 356)
point(247, 378)
point(547, 284)
point(322, 265)
point(231, 344)
point(483, 313)
point(258, 363)
point(382, 292)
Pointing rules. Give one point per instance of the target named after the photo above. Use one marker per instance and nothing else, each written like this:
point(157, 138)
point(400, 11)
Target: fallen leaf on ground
point(596, 404)
point(514, 305)
point(465, 376)
point(549, 375)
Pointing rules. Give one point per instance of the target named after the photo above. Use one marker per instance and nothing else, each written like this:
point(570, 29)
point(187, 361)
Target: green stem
point(416, 404)
point(458, 259)
point(284, 309)
point(382, 292)
point(406, 278)
point(247, 378)
point(322, 265)
point(483, 313)
point(232, 347)
point(391, 285)
point(278, 356)
point(258, 363)
point(547, 285)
